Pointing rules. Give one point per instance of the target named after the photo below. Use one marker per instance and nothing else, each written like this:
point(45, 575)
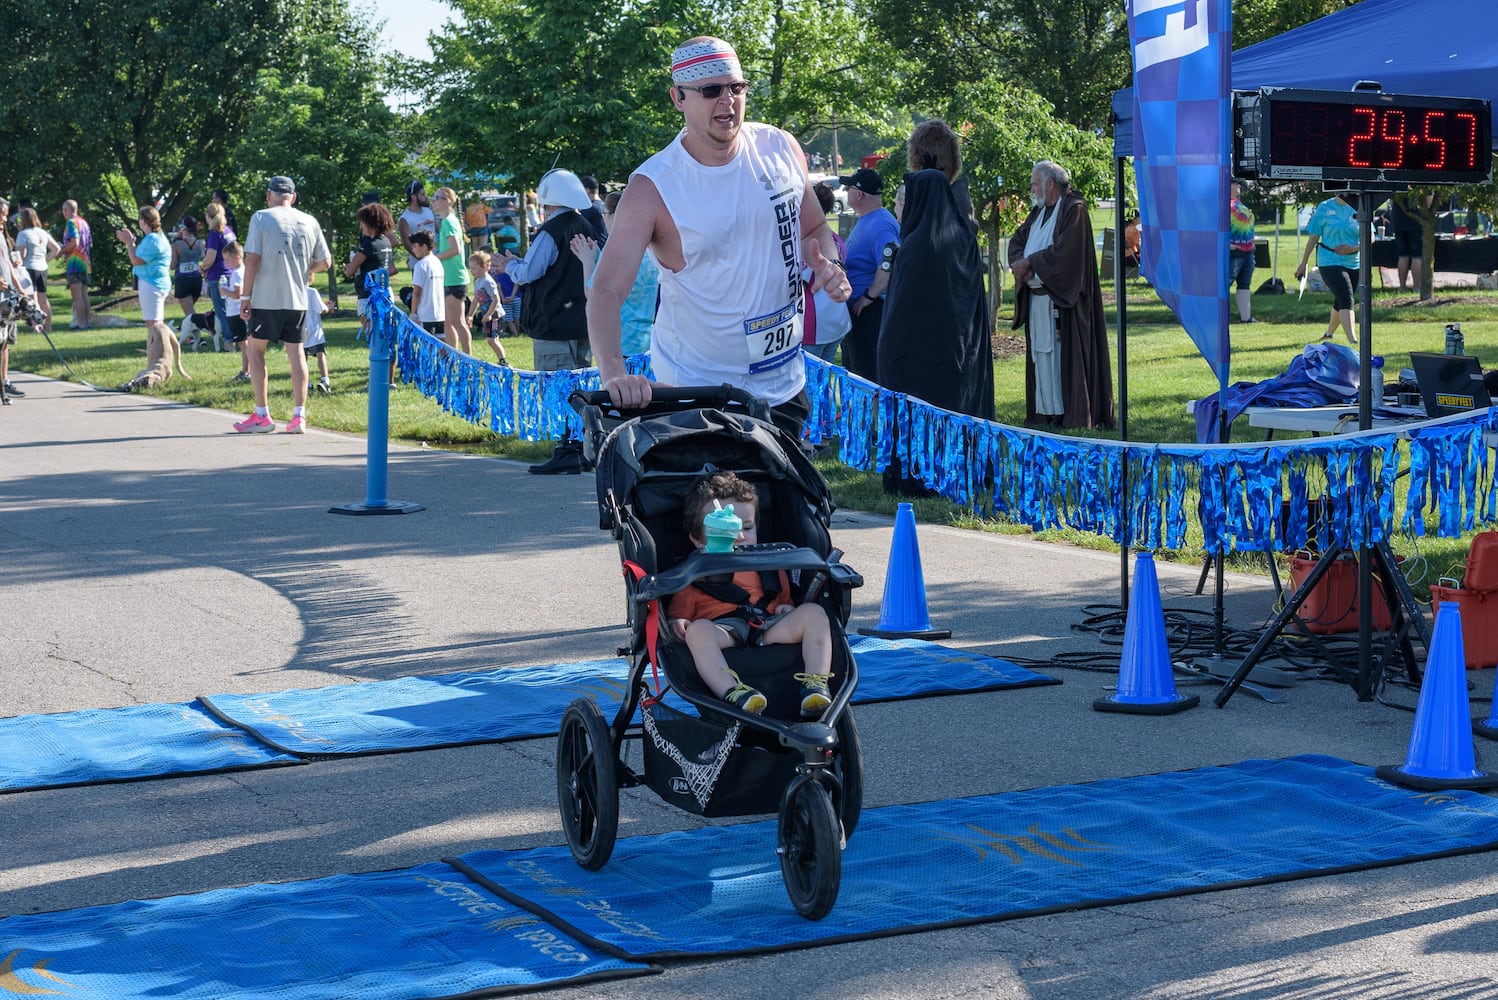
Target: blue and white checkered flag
point(1182, 161)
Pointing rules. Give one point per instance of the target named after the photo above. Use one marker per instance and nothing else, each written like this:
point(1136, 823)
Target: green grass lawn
point(1165, 371)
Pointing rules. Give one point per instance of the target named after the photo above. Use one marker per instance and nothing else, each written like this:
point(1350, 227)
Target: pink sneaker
point(296, 425)
point(255, 424)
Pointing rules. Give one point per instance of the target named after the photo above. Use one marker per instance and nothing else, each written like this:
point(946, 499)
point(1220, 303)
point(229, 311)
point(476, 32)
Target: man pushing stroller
point(716, 614)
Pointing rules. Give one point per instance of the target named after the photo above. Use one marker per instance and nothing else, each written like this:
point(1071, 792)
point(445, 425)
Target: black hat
point(414, 187)
point(371, 197)
point(281, 185)
point(866, 180)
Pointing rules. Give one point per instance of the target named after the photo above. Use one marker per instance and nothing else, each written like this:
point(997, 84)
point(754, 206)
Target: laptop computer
point(1449, 383)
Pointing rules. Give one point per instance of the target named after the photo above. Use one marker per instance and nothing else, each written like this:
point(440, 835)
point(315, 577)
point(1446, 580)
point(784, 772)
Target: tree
point(1073, 54)
point(529, 84)
point(575, 85)
point(112, 88)
point(815, 66)
point(323, 122)
point(1257, 20)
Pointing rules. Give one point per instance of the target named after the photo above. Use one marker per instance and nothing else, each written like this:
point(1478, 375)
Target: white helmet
point(561, 187)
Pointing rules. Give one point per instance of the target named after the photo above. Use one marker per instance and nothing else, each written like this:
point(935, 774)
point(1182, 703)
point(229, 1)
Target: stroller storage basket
point(710, 769)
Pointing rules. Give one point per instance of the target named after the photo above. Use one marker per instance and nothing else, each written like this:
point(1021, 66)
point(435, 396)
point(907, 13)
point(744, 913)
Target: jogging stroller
point(720, 761)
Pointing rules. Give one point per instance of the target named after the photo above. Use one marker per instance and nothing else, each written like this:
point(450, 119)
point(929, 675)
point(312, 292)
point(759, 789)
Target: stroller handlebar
point(671, 398)
point(764, 556)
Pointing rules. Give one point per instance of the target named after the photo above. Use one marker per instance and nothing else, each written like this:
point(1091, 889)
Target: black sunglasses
point(713, 91)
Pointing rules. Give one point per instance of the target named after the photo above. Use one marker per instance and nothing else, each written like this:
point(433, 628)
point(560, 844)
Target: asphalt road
point(148, 554)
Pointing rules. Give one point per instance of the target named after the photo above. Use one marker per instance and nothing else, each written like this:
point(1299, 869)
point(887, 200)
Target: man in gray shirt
point(284, 249)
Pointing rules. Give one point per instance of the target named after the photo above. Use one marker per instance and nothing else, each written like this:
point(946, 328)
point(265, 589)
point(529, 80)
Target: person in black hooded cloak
point(936, 339)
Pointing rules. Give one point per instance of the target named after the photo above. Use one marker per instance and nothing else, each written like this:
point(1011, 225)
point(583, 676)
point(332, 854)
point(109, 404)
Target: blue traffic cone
point(903, 614)
point(1440, 754)
point(1146, 685)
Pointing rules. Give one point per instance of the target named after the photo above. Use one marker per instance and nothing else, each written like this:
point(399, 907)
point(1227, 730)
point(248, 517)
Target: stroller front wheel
point(587, 784)
point(810, 847)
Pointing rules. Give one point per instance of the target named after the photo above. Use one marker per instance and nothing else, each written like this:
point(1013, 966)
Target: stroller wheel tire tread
point(811, 850)
point(588, 784)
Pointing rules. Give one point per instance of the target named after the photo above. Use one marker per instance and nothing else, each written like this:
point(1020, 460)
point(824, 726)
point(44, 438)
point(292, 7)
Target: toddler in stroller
point(714, 614)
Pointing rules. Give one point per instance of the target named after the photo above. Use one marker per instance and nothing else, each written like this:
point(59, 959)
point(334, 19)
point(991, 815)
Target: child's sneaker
point(325, 387)
point(296, 425)
point(814, 696)
point(255, 424)
point(743, 696)
point(241, 377)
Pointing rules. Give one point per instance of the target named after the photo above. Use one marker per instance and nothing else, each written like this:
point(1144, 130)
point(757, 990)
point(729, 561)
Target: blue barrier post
point(381, 353)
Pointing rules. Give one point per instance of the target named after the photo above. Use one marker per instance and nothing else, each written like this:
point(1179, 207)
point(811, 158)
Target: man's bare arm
point(247, 286)
point(631, 233)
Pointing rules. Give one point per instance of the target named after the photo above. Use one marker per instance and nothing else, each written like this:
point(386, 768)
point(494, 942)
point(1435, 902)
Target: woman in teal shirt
point(151, 260)
point(1335, 237)
point(449, 250)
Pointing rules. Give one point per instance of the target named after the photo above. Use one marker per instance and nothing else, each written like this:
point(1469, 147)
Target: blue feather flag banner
point(1182, 142)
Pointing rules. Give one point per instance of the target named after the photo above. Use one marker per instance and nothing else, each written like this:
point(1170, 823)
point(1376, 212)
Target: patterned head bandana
point(702, 58)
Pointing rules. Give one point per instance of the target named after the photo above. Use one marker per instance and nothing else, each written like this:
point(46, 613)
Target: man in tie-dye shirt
point(77, 244)
point(1241, 252)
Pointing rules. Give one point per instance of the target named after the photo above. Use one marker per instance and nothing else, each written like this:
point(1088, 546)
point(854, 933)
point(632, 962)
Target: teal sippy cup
point(722, 528)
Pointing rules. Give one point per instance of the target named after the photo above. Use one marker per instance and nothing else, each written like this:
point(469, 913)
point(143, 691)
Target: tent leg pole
point(1120, 294)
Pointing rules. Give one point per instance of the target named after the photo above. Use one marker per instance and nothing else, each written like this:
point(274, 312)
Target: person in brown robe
point(1064, 268)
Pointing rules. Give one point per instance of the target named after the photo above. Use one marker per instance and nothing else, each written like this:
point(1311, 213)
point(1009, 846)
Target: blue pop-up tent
point(1433, 48)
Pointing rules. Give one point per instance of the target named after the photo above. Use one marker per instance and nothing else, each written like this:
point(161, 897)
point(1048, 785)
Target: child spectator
point(507, 236)
point(374, 252)
point(742, 613)
point(229, 286)
point(426, 285)
point(315, 342)
point(509, 296)
point(486, 307)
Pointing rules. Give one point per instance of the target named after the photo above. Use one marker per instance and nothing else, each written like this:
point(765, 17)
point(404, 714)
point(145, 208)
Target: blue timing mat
point(526, 702)
point(228, 732)
point(425, 932)
point(118, 744)
point(718, 890)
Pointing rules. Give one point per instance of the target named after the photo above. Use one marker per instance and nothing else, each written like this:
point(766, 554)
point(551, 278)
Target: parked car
point(502, 205)
point(839, 196)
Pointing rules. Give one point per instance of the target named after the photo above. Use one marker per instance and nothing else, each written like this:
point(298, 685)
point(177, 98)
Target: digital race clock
point(1366, 136)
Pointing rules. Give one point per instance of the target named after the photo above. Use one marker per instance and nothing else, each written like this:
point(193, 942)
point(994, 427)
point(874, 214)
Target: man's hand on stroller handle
point(629, 392)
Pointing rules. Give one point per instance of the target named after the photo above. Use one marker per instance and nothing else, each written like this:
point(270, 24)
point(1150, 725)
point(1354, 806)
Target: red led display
point(1373, 136)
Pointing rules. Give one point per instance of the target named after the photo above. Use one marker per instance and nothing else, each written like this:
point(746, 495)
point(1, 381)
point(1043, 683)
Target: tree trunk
point(1428, 271)
point(334, 269)
point(1421, 206)
point(995, 240)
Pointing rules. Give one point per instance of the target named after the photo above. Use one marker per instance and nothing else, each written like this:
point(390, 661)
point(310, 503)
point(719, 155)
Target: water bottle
point(1454, 341)
point(1377, 376)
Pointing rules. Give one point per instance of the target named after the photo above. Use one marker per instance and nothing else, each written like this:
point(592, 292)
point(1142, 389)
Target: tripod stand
point(1404, 612)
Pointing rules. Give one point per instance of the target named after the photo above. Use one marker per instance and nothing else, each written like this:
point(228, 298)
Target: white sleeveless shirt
point(734, 312)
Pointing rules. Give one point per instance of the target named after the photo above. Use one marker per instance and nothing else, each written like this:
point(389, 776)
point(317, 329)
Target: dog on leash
point(195, 327)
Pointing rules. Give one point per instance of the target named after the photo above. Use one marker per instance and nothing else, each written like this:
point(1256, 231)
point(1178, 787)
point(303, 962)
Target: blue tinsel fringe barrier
point(1247, 497)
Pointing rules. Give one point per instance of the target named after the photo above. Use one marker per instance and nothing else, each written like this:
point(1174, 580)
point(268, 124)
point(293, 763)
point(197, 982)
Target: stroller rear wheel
point(587, 784)
point(847, 764)
point(811, 850)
